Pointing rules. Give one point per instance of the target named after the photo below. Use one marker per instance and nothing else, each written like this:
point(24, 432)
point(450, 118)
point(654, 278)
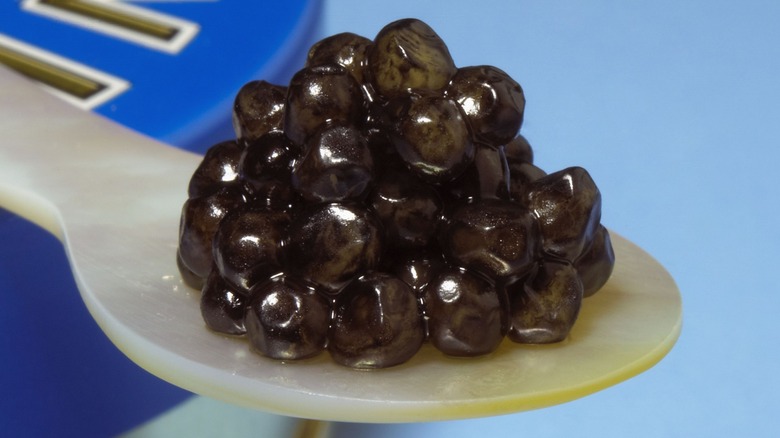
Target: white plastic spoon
point(114, 198)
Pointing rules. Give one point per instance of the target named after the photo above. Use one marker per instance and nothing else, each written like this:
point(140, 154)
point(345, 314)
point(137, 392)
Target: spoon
point(113, 197)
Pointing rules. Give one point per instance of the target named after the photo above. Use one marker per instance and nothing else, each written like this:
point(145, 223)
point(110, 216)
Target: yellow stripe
point(50, 75)
point(114, 17)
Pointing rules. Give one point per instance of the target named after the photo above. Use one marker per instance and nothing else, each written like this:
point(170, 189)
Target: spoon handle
point(57, 160)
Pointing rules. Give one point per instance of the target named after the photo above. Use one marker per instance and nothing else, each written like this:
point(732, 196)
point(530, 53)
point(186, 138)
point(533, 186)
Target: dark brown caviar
point(385, 199)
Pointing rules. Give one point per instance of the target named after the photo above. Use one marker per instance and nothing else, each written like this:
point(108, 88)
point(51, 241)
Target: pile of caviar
point(384, 199)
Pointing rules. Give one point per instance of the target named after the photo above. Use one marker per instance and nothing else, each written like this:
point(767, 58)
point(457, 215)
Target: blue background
point(673, 107)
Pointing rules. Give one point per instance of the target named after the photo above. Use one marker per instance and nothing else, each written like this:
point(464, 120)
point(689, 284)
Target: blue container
point(173, 79)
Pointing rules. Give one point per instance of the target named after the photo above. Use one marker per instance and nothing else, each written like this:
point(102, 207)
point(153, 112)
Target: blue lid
point(169, 70)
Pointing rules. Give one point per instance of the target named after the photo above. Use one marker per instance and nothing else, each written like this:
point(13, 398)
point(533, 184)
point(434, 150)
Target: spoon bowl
point(114, 197)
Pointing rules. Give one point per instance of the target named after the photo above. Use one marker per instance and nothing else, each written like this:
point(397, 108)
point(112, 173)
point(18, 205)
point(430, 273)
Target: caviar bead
point(409, 209)
point(246, 245)
point(492, 102)
point(492, 172)
point(417, 270)
point(497, 238)
point(286, 319)
point(521, 173)
point(200, 219)
point(317, 95)
point(336, 166)
point(332, 243)
point(544, 308)
point(519, 149)
point(408, 55)
point(257, 109)
point(596, 263)
point(567, 204)
point(433, 138)
point(187, 276)
point(222, 305)
point(218, 168)
point(265, 171)
point(466, 314)
point(345, 49)
point(376, 323)
point(268, 156)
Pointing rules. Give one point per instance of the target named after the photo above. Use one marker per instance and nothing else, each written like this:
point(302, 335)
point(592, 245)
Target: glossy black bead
point(187, 276)
point(497, 238)
point(346, 49)
point(318, 95)
point(336, 166)
point(257, 109)
point(492, 171)
point(408, 55)
point(199, 222)
point(417, 270)
point(376, 323)
point(521, 174)
point(567, 205)
point(267, 157)
point(222, 305)
point(544, 308)
point(287, 319)
point(433, 138)
point(408, 208)
point(492, 101)
point(332, 243)
point(246, 245)
point(519, 149)
point(265, 171)
point(466, 314)
point(218, 168)
point(596, 263)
